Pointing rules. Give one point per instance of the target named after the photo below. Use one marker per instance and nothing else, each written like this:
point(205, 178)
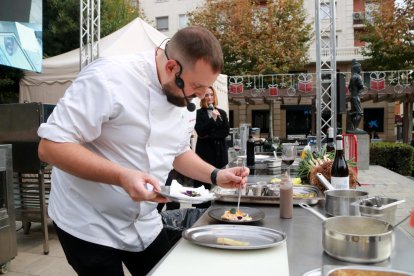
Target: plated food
point(236, 215)
point(231, 215)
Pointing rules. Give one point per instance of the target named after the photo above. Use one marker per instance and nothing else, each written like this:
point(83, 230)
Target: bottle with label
point(330, 145)
point(339, 170)
point(286, 197)
point(250, 151)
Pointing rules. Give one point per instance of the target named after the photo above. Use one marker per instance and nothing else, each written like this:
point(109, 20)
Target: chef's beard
point(171, 97)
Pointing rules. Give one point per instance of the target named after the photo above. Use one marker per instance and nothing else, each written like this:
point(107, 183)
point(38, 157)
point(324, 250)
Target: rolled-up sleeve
point(79, 115)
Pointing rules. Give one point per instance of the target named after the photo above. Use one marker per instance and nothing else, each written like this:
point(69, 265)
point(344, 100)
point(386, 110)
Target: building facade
point(289, 110)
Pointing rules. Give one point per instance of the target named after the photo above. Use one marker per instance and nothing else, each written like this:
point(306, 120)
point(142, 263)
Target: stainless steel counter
point(304, 240)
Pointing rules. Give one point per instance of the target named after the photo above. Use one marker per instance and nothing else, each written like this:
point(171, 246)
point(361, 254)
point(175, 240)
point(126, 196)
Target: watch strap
point(213, 176)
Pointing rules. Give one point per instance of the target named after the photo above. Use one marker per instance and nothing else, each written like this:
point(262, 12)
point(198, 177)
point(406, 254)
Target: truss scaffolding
point(90, 29)
point(325, 31)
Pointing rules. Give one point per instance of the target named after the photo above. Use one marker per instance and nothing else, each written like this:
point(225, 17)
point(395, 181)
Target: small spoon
point(238, 200)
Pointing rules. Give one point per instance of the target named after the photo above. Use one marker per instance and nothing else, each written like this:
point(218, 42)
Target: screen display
point(21, 34)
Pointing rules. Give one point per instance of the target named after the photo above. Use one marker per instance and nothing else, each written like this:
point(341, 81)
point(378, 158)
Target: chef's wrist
point(213, 176)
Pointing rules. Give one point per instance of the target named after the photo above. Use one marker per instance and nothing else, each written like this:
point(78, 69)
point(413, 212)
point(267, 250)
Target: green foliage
point(116, 14)
point(390, 37)
point(397, 157)
point(9, 84)
point(61, 22)
point(266, 38)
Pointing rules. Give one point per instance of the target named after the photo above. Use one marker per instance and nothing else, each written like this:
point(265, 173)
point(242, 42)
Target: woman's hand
point(215, 114)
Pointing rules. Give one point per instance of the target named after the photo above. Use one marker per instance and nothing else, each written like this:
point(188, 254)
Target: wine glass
point(237, 148)
point(289, 152)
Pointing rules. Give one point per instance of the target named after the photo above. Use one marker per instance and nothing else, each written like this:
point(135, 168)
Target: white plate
point(165, 192)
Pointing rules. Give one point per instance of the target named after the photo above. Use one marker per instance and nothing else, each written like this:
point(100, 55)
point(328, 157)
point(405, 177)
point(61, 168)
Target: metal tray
point(230, 195)
point(258, 237)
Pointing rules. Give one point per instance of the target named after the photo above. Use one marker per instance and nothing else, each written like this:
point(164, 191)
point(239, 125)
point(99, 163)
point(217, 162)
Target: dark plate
point(256, 214)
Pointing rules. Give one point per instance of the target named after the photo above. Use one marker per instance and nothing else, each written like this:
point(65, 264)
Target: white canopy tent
point(59, 71)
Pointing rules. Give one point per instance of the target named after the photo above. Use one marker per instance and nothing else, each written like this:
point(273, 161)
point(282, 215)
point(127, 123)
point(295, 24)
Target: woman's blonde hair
point(203, 102)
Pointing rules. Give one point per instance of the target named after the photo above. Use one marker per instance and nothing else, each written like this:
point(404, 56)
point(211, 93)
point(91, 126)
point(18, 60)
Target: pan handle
point(325, 181)
point(313, 211)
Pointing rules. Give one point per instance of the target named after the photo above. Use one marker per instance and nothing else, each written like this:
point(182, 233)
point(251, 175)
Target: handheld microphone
point(211, 107)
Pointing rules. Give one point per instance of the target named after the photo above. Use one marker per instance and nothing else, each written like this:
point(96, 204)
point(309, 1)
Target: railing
point(342, 54)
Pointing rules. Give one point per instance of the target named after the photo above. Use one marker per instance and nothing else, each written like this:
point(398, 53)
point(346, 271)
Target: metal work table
point(304, 240)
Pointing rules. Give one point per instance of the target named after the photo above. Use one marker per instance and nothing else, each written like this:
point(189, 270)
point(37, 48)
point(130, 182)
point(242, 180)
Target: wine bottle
point(339, 170)
point(330, 146)
point(250, 151)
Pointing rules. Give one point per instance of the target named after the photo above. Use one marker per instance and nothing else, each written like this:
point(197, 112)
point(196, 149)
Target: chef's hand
point(134, 183)
point(233, 177)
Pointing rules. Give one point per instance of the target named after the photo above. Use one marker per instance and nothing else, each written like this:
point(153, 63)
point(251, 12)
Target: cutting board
point(187, 259)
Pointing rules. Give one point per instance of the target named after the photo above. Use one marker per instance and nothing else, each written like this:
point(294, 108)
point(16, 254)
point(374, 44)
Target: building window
point(298, 120)
point(182, 21)
point(374, 119)
point(162, 23)
point(260, 119)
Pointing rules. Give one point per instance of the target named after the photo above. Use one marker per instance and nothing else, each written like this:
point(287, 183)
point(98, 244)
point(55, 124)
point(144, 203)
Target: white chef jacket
point(117, 109)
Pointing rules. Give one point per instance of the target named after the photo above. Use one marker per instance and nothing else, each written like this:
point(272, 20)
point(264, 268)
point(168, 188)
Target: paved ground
point(31, 260)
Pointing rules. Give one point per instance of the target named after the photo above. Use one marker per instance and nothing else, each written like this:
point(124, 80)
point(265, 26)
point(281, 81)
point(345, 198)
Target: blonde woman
point(212, 127)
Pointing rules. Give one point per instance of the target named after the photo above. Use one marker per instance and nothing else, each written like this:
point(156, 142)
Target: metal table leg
point(43, 210)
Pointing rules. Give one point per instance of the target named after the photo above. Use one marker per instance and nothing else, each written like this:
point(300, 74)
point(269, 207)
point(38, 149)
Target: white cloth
point(117, 109)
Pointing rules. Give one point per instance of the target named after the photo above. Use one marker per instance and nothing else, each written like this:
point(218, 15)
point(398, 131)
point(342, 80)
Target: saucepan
point(341, 202)
point(355, 239)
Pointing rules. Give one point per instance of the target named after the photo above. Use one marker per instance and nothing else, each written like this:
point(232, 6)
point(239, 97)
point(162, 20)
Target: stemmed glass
point(289, 152)
point(237, 145)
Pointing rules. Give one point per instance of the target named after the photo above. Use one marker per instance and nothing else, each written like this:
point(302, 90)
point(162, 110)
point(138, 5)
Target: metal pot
point(355, 239)
point(341, 202)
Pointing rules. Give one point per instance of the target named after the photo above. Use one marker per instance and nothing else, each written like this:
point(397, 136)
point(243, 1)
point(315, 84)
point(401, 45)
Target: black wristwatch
point(213, 176)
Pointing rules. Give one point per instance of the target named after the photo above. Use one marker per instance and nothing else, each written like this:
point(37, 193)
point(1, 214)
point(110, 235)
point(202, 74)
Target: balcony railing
point(342, 54)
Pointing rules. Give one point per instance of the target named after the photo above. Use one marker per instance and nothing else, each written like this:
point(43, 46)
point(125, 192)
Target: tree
point(257, 37)
point(61, 34)
point(61, 22)
point(390, 37)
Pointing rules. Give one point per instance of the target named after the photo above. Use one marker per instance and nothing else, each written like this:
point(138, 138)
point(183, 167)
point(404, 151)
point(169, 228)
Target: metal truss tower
point(325, 31)
point(90, 31)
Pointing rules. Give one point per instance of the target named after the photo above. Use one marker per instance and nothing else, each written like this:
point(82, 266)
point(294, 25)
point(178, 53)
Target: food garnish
point(191, 193)
point(236, 215)
point(227, 241)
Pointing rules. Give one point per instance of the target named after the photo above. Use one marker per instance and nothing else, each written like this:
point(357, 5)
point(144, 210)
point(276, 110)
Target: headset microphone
point(190, 106)
point(180, 84)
